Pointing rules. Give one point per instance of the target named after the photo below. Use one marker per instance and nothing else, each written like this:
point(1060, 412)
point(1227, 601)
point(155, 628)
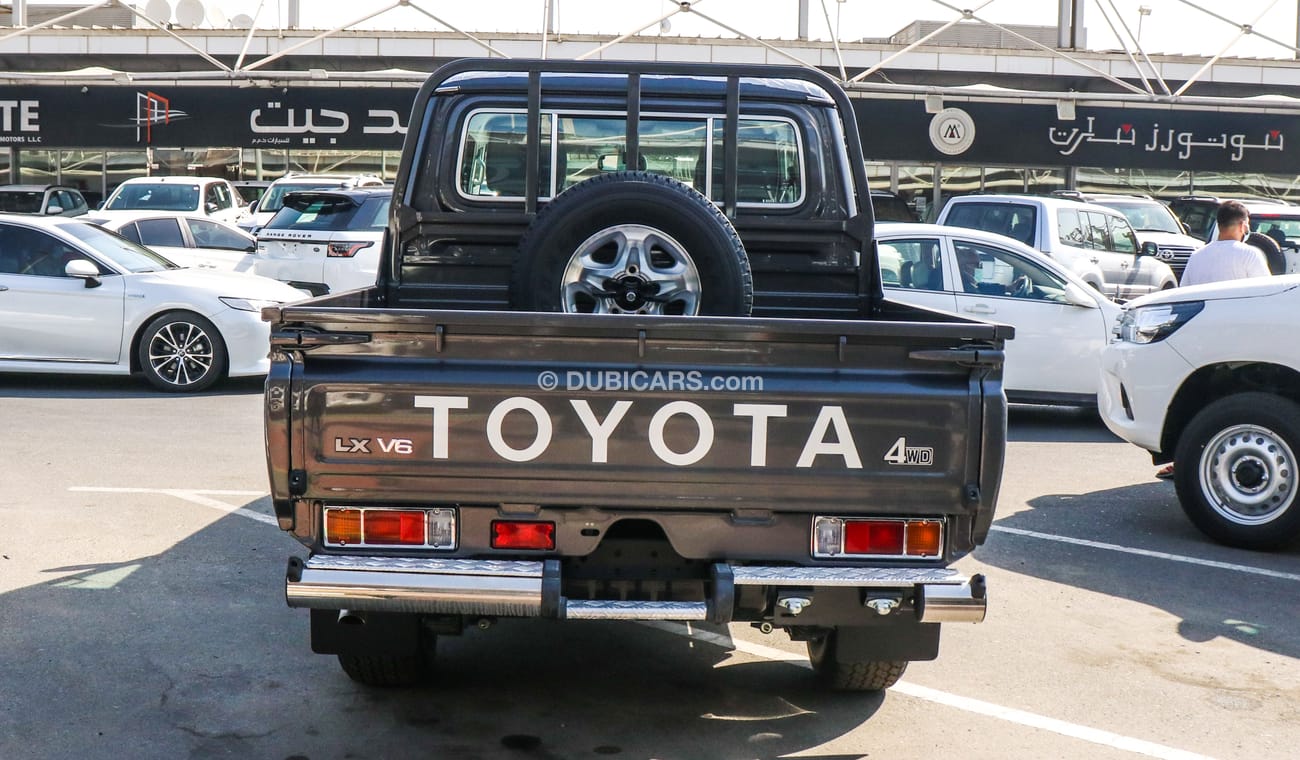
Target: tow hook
point(883, 605)
point(794, 604)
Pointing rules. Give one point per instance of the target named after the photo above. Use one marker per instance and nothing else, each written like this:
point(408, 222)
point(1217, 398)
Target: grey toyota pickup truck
point(628, 358)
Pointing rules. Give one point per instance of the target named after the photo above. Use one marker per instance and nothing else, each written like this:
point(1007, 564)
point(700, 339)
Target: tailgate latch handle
point(304, 340)
point(967, 357)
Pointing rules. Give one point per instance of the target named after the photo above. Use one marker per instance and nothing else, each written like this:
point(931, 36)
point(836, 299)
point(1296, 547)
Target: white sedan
point(187, 239)
point(77, 299)
point(1061, 323)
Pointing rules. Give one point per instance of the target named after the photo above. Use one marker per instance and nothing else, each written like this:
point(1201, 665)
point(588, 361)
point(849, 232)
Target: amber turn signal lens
point(343, 527)
point(924, 538)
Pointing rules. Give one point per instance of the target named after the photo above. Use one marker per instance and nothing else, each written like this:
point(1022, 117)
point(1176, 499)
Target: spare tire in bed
point(632, 243)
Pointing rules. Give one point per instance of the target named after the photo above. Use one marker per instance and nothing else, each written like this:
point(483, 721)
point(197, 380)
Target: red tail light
point(877, 537)
point(873, 537)
point(395, 527)
point(510, 534)
point(346, 249)
point(354, 527)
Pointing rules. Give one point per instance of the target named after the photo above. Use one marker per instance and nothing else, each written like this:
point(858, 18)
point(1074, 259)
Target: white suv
point(209, 196)
point(324, 241)
point(1208, 377)
point(1154, 223)
point(1095, 242)
point(260, 211)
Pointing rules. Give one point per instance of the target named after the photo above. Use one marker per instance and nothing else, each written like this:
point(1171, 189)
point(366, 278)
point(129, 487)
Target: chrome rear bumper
point(532, 589)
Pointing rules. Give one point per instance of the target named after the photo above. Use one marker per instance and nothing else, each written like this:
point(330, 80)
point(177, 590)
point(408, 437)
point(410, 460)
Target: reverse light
point(346, 249)
point(1149, 324)
point(521, 534)
point(870, 537)
point(357, 526)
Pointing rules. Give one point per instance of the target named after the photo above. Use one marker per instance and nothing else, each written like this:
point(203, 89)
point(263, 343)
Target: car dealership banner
point(116, 116)
point(375, 118)
point(1020, 134)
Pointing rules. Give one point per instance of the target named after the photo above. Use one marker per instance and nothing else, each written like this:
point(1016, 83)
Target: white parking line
point(1149, 553)
point(195, 496)
point(979, 707)
point(966, 704)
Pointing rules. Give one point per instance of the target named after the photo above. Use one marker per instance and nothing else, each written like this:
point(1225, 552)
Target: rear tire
point(841, 675)
point(388, 671)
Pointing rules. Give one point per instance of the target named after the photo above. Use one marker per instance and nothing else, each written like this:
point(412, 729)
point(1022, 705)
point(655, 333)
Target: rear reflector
point(853, 537)
point(356, 526)
point(511, 534)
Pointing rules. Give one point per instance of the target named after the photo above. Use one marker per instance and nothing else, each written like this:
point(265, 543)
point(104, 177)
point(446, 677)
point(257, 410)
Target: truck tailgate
point(634, 412)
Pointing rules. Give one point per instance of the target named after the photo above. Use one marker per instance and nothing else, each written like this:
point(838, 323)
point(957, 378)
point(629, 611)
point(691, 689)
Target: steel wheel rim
point(631, 269)
point(1248, 474)
point(181, 353)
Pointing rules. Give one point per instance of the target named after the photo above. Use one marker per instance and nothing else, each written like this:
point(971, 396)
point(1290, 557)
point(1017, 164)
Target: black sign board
point(1031, 135)
point(205, 117)
point(374, 118)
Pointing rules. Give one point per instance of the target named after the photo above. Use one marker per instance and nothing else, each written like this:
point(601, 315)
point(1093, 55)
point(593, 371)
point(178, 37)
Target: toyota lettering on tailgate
point(621, 432)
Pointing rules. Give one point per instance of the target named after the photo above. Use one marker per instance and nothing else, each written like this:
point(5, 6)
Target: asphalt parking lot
point(142, 616)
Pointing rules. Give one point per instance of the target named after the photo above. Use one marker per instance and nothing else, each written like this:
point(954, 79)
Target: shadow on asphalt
point(1209, 601)
point(193, 653)
point(1056, 424)
point(109, 386)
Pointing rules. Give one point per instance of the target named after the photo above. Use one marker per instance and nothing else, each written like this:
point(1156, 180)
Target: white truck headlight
point(1149, 324)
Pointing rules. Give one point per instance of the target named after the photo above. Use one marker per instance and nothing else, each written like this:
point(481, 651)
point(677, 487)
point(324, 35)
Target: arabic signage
point(204, 117)
point(374, 118)
point(1032, 135)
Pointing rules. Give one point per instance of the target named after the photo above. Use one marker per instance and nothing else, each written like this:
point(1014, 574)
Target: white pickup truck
point(1208, 377)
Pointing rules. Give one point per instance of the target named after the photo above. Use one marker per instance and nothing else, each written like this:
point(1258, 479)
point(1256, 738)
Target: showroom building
point(940, 113)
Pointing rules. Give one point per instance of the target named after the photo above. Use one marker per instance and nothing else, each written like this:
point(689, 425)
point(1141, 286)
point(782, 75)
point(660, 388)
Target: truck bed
point(707, 414)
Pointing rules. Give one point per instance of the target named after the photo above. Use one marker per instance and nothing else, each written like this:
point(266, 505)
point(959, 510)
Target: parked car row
point(1198, 376)
point(80, 299)
point(158, 282)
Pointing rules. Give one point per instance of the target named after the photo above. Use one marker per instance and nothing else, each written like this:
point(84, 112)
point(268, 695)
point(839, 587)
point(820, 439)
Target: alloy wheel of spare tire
point(181, 353)
point(1236, 471)
point(632, 243)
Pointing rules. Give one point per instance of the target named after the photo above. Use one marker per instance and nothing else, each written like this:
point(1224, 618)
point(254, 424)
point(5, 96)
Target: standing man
point(1227, 258)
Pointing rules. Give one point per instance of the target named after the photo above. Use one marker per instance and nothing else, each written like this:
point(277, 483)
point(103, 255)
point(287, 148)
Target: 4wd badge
point(901, 453)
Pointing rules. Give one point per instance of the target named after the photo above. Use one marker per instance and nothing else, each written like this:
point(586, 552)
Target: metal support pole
point(20, 13)
point(1069, 24)
point(294, 14)
point(803, 19)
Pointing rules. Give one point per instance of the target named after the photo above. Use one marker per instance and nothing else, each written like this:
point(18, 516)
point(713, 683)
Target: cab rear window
point(576, 147)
